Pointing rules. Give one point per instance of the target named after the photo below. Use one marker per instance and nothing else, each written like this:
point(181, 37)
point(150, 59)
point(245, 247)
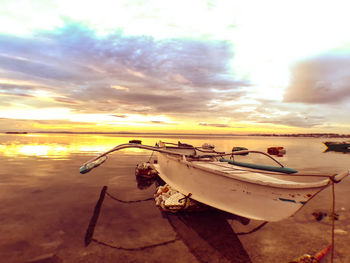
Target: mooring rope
point(128, 202)
point(135, 248)
point(333, 217)
point(253, 230)
point(150, 157)
point(317, 257)
point(93, 221)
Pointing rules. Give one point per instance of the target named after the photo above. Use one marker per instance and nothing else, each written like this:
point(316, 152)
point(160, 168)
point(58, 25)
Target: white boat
point(260, 192)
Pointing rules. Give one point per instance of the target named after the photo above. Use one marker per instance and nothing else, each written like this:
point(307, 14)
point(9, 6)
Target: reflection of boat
point(250, 190)
point(338, 150)
point(145, 175)
point(337, 145)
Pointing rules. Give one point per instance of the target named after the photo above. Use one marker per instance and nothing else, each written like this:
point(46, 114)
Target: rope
point(253, 230)
point(135, 248)
point(90, 230)
point(333, 218)
point(150, 157)
point(128, 202)
point(186, 198)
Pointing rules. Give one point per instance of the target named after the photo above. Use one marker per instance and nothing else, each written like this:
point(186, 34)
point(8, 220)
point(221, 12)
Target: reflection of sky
point(217, 66)
point(57, 146)
point(64, 146)
point(304, 154)
point(49, 150)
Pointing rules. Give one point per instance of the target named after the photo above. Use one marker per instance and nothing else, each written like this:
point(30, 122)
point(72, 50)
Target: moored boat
point(254, 191)
point(337, 145)
point(278, 151)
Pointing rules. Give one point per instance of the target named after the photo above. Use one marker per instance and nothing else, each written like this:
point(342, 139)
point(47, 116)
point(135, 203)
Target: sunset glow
point(175, 66)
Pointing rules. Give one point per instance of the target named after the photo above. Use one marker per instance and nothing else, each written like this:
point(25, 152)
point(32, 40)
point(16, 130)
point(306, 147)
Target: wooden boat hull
point(251, 194)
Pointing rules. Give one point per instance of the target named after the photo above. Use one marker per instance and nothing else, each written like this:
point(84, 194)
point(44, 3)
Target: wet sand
point(45, 218)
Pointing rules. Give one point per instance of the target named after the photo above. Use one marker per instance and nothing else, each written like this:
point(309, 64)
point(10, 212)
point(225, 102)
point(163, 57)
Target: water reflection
point(144, 183)
point(37, 150)
point(58, 145)
point(345, 151)
point(207, 233)
point(68, 146)
point(208, 236)
point(40, 183)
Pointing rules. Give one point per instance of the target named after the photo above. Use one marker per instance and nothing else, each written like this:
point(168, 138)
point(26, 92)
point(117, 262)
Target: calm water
point(46, 205)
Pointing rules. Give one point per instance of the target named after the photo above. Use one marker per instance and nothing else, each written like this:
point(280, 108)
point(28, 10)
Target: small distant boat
point(239, 148)
point(337, 145)
point(279, 151)
point(253, 191)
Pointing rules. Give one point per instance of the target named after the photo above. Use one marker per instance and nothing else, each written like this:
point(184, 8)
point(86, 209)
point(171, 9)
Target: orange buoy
point(312, 259)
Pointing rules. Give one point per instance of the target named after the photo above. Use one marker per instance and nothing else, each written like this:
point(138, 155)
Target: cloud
point(265, 111)
point(164, 122)
point(294, 120)
point(320, 80)
point(16, 90)
point(67, 101)
point(16, 94)
point(7, 124)
point(118, 73)
point(218, 125)
point(119, 116)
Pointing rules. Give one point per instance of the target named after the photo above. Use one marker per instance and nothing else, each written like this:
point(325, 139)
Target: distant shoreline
point(16, 132)
point(312, 135)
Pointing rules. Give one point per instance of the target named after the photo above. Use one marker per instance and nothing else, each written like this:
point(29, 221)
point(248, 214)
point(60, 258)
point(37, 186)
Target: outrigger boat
point(254, 191)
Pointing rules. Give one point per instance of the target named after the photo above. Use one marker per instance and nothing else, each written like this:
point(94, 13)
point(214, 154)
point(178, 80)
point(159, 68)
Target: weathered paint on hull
point(224, 192)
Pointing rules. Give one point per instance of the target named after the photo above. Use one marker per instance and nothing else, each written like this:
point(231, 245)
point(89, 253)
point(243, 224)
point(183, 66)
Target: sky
point(215, 66)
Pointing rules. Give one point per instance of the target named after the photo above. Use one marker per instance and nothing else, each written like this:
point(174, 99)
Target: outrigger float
point(260, 192)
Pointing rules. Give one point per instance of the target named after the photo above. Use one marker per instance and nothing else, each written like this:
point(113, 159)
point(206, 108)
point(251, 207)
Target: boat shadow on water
point(207, 234)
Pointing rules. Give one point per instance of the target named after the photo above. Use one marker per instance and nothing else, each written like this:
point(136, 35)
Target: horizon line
point(172, 133)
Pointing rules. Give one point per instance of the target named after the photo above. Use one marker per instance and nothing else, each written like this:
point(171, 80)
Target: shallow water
point(46, 205)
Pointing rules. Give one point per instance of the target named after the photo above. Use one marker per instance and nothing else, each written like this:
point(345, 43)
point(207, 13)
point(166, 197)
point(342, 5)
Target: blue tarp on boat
point(261, 167)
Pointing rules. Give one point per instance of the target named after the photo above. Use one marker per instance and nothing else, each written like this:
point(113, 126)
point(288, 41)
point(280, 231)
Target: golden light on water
point(34, 150)
point(41, 150)
point(61, 146)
